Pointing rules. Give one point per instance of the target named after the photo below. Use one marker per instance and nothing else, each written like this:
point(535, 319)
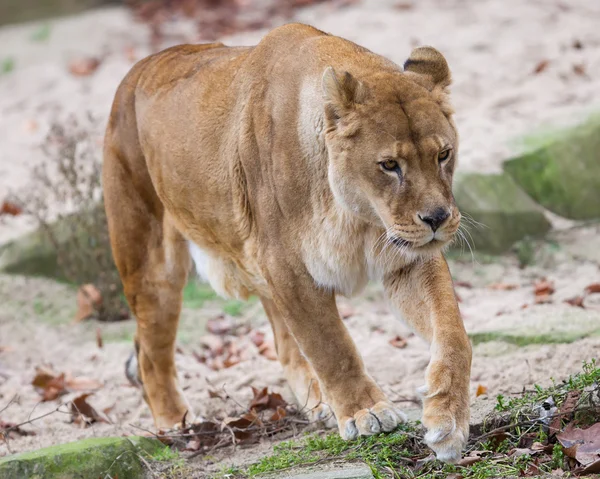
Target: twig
point(14, 398)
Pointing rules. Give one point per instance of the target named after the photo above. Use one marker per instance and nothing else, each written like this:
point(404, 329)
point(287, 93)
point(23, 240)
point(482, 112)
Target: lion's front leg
point(424, 297)
point(311, 315)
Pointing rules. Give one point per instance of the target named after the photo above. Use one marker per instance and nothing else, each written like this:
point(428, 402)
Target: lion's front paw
point(447, 433)
point(323, 414)
point(382, 417)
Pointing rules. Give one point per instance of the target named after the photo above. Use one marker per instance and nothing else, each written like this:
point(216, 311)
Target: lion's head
point(392, 149)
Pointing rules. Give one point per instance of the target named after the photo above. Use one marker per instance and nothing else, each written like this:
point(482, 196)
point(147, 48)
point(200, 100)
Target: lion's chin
point(424, 247)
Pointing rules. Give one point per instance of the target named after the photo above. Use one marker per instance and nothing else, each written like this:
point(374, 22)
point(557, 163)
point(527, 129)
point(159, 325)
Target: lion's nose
point(435, 218)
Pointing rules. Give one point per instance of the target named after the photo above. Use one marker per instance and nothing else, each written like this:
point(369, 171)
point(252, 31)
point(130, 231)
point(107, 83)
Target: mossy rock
point(87, 459)
point(504, 212)
point(563, 175)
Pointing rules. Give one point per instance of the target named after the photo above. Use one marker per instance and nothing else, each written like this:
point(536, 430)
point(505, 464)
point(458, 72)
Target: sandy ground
point(493, 48)
point(36, 329)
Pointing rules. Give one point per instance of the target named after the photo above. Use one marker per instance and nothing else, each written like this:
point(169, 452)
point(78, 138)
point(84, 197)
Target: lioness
point(294, 170)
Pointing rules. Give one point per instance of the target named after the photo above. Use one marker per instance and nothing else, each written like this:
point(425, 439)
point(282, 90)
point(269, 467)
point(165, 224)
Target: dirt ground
point(493, 49)
point(552, 341)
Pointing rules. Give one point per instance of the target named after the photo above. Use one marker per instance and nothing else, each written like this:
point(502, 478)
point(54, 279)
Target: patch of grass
point(521, 341)
point(7, 65)
point(379, 452)
point(589, 376)
point(166, 454)
point(195, 294)
point(234, 307)
point(42, 33)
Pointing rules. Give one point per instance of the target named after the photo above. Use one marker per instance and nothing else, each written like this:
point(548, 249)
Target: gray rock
point(505, 213)
point(89, 458)
point(563, 175)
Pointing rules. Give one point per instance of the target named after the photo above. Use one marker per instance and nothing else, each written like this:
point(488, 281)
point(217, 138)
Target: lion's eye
point(443, 155)
point(389, 165)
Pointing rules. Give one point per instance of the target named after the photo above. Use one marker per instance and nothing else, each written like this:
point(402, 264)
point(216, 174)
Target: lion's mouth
point(432, 242)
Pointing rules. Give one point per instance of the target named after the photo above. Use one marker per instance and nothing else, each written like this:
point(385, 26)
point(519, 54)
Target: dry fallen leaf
point(592, 288)
point(51, 385)
point(503, 286)
point(543, 287)
point(48, 384)
point(220, 325)
point(463, 284)
point(398, 342)
point(257, 338)
point(11, 209)
point(565, 412)
point(263, 399)
point(576, 301)
point(83, 413)
point(583, 445)
point(541, 66)
point(579, 69)
point(278, 415)
point(89, 301)
point(403, 6)
point(481, 390)
point(83, 66)
point(267, 349)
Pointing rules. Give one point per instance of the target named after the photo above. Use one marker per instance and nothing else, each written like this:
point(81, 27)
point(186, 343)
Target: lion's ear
point(341, 93)
point(428, 67)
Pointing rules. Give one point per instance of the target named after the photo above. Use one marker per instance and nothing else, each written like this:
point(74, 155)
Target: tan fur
point(264, 163)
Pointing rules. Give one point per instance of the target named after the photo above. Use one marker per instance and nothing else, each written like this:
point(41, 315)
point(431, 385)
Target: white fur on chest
point(341, 256)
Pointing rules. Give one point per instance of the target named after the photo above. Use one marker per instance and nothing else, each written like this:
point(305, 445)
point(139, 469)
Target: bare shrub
point(65, 198)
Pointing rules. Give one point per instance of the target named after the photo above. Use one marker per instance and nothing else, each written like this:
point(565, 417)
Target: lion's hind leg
point(153, 262)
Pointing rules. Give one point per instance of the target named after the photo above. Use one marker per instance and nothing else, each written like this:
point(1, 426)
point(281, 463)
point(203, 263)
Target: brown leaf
point(503, 286)
point(463, 284)
point(49, 385)
point(268, 351)
point(398, 342)
point(579, 69)
point(543, 287)
point(11, 209)
point(240, 426)
point(279, 414)
point(214, 345)
point(582, 445)
point(481, 389)
point(83, 413)
point(89, 301)
point(99, 341)
point(566, 409)
point(220, 325)
point(257, 338)
point(403, 6)
point(576, 301)
point(83, 66)
point(81, 383)
point(541, 66)
point(472, 458)
point(263, 399)
point(592, 288)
